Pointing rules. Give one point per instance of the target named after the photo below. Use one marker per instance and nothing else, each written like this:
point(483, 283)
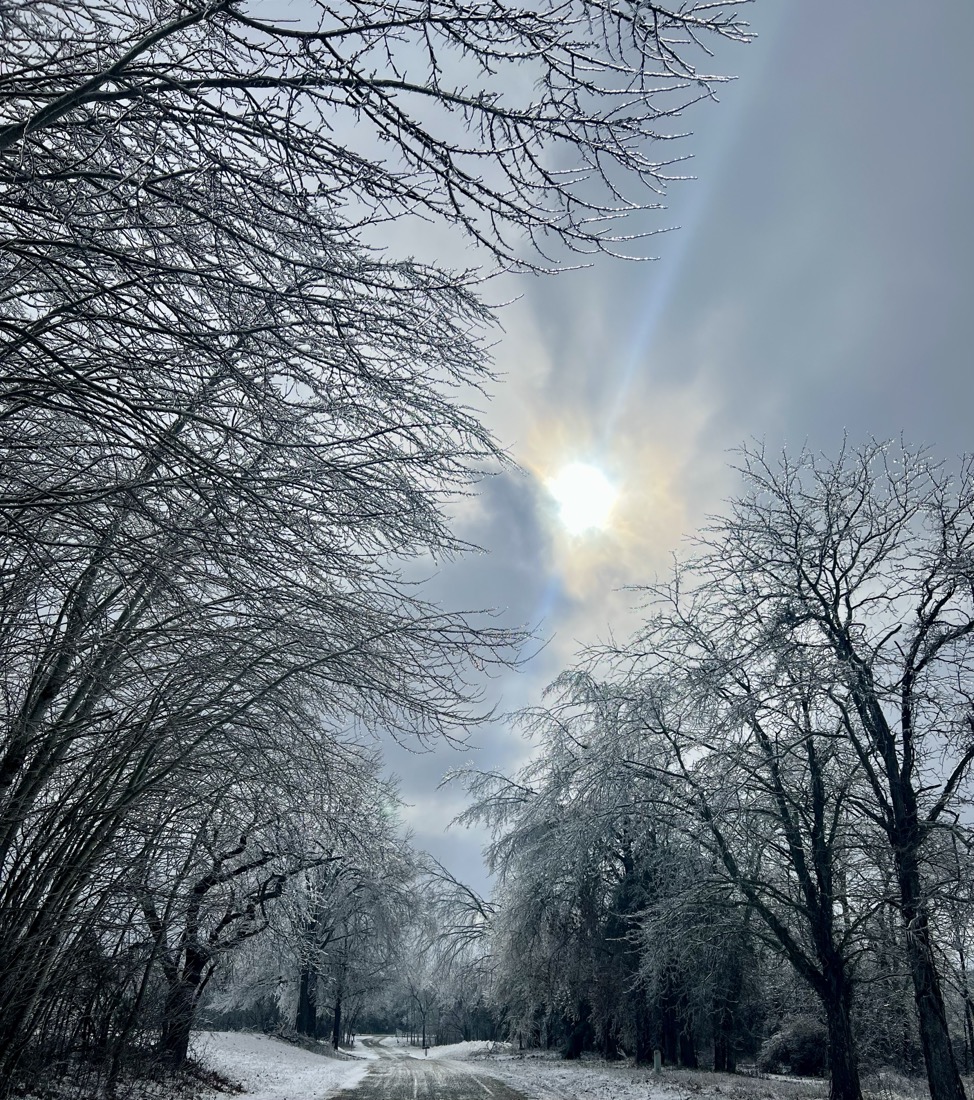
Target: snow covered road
point(397, 1074)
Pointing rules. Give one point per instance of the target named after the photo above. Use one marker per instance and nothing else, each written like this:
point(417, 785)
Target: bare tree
point(870, 557)
point(226, 422)
point(586, 847)
point(333, 939)
point(800, 704)
point(348, 923)
point(859, 569)
point(194, 588)
point(810, 671)
point(540, 120)
point(755, 762)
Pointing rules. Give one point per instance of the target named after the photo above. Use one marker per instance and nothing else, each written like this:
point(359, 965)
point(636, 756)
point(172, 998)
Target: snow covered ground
point(271, 1070)
point(556, 1079)
point(542, 1077)
point(548, 1077)
point(458, 1051)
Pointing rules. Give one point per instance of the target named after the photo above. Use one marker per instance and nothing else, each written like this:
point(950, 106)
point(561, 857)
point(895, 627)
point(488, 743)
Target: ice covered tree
point(225, 420)
point(332, 940)
point(867, 560)
point(586, 849)
point(798, 705)
point(755, 763)
point(812, 666)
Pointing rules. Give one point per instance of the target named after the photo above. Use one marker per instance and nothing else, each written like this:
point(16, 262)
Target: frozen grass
point(739, 1086)
point(887, 1084)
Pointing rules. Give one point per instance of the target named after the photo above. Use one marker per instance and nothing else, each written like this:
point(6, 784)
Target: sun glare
point(585, 497)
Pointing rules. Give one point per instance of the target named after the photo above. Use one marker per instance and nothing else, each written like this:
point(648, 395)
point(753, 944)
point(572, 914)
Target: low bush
point(799, 1046)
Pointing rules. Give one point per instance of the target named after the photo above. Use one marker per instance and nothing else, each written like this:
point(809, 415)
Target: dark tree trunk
point(670, 1036)
point(644, 1034)
point(610, 1045)
point(722, 1053)
point(843, 1061)
point(179, 1013)
point(306, 1022)
point(670, 1025)
point(727, 998)
point(579, 1032)
point(724, 1024)
point(336, 1031)
point(906, 835)
point(943, 1075)
point(684, 1023)
point(968, 1032)
point(178, 1016)
point(688, 1050)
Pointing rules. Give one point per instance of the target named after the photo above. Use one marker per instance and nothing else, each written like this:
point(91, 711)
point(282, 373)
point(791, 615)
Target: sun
point(585, 497)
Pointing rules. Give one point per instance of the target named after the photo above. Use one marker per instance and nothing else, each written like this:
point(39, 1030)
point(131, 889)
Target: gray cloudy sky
point(821, 281)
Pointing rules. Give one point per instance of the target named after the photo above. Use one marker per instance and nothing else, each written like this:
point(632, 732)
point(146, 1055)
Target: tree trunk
point(610, 1044)
point(179, 1013)
point(722, 1053)
point(336, 1031)
point(968, 1033)
point(906, 835)
point(579, 1032)
point(725, 1024)
point(306, 1021)
point(670, 1030)
point(943, 1075)
point(670, 1042)
point(688, 1050)
point(843, 1060)
point(642, 1026)
point(177, 1025)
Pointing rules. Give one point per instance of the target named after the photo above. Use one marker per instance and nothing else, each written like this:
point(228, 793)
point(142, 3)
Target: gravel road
point(396, 1075)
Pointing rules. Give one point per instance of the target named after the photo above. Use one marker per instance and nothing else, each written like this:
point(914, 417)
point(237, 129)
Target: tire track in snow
point(395, 1075)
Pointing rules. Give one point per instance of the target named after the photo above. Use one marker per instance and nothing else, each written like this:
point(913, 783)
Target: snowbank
point(271, 1070)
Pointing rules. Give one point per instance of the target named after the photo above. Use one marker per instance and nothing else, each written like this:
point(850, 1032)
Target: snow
point(272, 1070)
point(551, 1078)
point(546, 1079)
point(459, 1051)
point(542, 1077)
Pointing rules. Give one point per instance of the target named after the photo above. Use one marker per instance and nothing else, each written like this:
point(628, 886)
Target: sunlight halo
point(585, 497)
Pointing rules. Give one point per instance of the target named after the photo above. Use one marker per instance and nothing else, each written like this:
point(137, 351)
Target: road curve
point(395, 1075)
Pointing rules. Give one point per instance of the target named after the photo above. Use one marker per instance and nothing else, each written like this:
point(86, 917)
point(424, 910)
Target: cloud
point(819, 284)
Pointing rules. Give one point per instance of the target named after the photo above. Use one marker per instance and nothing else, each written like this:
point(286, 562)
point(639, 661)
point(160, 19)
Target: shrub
point(799, 1046)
